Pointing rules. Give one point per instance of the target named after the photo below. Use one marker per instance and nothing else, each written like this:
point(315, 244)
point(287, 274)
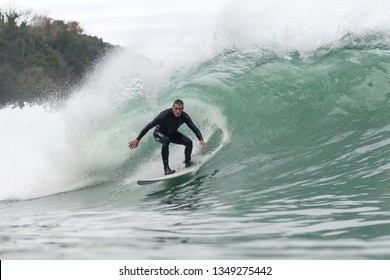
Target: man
point(167, 123)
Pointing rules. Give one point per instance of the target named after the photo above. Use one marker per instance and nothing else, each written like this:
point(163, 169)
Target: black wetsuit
point(167, 124)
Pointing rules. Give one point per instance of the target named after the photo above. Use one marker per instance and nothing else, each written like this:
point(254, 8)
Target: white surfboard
point(179, 172)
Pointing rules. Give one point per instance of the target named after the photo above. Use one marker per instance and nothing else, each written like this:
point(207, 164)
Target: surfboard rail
point(179, 173)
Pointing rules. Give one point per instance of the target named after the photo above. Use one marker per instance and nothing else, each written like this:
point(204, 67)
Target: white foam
point(298, 25)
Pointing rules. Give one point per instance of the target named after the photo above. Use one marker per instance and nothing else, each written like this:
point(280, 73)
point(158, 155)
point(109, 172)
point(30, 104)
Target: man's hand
point(203, 144)
point(133, 144)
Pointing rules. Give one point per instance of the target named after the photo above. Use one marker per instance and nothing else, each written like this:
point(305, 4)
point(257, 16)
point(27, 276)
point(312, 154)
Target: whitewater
point(293, 100)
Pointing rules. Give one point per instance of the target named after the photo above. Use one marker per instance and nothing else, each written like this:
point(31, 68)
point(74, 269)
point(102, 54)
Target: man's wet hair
point(178, 102)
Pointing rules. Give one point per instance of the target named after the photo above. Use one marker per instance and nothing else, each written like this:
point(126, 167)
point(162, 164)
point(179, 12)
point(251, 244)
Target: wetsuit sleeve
point(152, 124)
point(145, 130)
point(193, 127)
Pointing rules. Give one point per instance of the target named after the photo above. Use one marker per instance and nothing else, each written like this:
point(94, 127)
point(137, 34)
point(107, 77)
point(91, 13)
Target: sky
point(124, 22)
point(174, 28)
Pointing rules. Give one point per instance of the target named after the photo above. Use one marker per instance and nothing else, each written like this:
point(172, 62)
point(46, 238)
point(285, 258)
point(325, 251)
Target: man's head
point(177, 107)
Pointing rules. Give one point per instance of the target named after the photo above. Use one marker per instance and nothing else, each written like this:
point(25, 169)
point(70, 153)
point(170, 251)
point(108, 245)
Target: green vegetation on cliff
point(41, 57)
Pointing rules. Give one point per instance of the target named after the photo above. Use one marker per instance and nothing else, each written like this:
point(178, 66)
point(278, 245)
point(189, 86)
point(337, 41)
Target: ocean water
point(294, 102)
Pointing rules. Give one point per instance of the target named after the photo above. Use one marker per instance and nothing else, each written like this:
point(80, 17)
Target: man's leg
point(165, 141)
point(181, 139)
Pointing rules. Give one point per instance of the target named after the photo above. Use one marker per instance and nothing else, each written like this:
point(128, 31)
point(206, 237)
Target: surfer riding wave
point(167, 124)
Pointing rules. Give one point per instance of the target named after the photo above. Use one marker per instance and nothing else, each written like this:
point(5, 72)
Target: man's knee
point(188, 142)
point(161, 138)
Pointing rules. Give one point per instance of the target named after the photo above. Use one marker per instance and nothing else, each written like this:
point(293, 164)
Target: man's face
point(177, 110)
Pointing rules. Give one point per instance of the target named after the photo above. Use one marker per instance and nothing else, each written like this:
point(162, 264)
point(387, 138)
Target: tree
point(39, 54)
